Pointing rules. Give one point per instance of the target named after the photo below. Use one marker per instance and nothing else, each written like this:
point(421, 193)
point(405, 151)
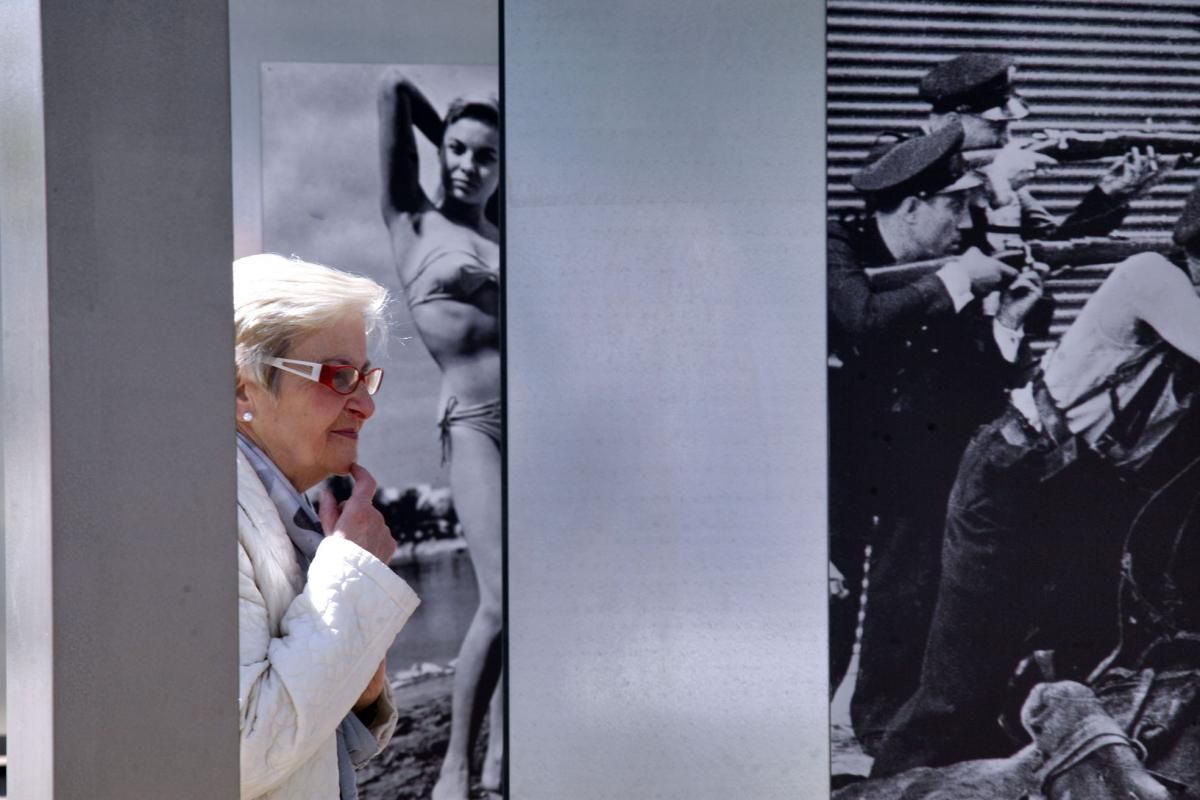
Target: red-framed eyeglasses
point(342, 378)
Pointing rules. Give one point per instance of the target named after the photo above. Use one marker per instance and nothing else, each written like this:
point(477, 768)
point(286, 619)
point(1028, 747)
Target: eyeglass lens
point(345, 379)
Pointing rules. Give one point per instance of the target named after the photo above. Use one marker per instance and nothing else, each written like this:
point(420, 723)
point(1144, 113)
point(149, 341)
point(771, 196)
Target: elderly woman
point(318, 606)
point(447, 255)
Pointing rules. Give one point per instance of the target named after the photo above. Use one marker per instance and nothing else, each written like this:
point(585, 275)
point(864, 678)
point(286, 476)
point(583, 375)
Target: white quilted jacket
point(307, 651)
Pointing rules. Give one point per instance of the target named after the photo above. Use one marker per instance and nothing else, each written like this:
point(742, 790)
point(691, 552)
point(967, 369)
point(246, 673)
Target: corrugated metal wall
point(1088, 65)
point(1095, 65)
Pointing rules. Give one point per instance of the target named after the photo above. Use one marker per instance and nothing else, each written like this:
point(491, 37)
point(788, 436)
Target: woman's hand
point(395, 89)
point(357, 519)
point(392, 82)
point(373, 690)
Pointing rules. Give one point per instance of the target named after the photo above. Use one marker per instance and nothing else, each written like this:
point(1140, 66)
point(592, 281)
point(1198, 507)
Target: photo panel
point(1012, 445)
point(663, 343)
point(323, 184)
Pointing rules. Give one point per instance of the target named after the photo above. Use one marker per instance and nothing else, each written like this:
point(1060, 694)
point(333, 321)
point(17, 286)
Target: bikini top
point(468, 274)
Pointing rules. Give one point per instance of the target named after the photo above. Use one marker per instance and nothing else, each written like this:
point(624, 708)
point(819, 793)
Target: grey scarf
point(355, 742)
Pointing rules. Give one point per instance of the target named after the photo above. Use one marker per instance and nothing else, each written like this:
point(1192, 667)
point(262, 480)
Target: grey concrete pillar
point(115, 242)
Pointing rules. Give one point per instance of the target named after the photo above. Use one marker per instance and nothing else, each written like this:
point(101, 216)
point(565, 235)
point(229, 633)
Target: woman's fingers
point(364, 482)
point(361, 522)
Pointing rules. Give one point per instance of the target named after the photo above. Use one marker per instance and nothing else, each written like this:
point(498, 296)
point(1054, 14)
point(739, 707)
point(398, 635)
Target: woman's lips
point(349, 433)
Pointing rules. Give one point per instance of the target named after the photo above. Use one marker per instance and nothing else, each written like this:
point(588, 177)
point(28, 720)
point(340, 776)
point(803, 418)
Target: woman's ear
point(245, 404)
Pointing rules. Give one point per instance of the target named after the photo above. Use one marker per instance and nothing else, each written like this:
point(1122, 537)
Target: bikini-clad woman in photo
point(447, 254)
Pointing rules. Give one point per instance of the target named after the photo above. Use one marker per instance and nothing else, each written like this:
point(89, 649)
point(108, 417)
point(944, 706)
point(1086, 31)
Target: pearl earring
point(247, 417)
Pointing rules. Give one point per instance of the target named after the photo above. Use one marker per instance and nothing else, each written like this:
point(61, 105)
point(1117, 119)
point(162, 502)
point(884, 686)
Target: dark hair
point(485, 110)
point(884, 202)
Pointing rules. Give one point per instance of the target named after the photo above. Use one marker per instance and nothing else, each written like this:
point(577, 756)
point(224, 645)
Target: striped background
point(1087, 65)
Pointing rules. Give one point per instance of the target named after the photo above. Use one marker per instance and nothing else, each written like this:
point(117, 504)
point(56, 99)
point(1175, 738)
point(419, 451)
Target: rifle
point(1070, 146)
point(1059, 256)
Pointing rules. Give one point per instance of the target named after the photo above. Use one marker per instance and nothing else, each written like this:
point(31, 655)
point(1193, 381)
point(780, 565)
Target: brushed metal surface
point(115, 240)
point(666, 450)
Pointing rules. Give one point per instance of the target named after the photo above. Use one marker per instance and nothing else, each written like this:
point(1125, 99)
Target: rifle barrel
point(1060, 256)
point(1074, 146)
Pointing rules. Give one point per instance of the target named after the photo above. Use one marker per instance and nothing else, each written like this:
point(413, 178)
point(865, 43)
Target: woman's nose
point(361, 403)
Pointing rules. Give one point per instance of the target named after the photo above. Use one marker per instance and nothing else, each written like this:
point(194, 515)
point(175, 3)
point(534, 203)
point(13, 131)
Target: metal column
point(115, 243)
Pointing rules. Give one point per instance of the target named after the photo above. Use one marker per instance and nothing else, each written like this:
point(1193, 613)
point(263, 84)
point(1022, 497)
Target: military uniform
point(982, 84)
point(911, 374)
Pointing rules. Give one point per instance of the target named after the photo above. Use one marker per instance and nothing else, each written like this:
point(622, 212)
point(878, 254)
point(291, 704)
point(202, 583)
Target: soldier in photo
point(1044, 496)
point(976, 90)
point(913, 370)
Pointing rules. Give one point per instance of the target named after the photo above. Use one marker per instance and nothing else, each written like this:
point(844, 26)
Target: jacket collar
point(872, 248)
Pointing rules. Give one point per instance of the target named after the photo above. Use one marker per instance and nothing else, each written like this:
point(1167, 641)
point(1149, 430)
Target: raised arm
point(401, 108)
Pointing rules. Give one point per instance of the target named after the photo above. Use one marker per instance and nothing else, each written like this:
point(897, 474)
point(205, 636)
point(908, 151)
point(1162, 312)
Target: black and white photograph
point(391, 172)
point(1013, 256)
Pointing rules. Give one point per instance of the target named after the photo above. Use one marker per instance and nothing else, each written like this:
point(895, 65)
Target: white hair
point(278, 300)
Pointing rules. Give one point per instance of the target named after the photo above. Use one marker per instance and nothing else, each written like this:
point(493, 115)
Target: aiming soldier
point(912, 371)
point(976, 90)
